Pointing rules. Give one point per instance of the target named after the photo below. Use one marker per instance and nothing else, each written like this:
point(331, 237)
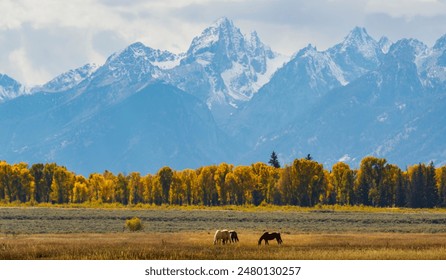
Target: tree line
point(304, 182)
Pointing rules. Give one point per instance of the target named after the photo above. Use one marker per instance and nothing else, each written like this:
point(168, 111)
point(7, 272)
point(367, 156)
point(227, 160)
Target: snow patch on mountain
point(392, 143)
point(10, 88)
point(358, 54)
point(68, 79)
point(225, 68)
point(385, 44)
point(432, 64)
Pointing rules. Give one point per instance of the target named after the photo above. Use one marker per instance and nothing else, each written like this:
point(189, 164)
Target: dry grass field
point(50, 233)
point(168, 246)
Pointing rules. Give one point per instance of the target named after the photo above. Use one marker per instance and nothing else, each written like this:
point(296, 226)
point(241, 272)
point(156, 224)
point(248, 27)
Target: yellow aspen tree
point(176, 191)
point(219, 177)
point(62, 185)
point(165, 175)
point(207, 184)
point(80, 190)
point(440, 177)
point(96, 182)
point(342, 180)
point(189, 185)
point(136, 188)
point(148, 188)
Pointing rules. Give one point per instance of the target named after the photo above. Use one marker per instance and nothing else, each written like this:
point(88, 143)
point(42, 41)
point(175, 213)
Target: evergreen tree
point(274, 161)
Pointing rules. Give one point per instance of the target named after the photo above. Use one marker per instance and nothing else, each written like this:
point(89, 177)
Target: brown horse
point(234, 237)
point(270, 236)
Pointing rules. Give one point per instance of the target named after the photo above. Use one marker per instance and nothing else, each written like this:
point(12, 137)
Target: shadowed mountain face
point(156, 126)
point(390, 111)
point(223, 100)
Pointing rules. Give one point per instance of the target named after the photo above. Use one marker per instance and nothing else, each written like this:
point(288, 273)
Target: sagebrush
point(134, 224)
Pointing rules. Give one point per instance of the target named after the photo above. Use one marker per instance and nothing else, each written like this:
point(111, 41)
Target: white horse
point(222, 235)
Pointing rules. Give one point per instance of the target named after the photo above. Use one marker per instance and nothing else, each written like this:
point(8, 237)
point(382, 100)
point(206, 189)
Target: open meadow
point(85, 233)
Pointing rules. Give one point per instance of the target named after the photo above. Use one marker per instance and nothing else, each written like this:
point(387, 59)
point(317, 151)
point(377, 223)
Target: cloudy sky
point(40, 39)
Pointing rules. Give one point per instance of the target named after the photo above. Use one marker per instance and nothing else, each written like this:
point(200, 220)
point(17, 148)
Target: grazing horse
point(270, 236)
point(234, 237)
point(222, 235)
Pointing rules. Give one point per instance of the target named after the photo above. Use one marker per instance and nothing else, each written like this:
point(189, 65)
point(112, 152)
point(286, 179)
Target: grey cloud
point(107, 42)
point(121, 3)
point(425, 29)
point(323, 22)
point(48, 50)
point(58, 49)
point(328, 20)
point(10, 40)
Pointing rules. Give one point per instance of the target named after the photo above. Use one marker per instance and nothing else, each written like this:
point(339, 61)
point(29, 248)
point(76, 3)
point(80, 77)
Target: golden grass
point(168, 246)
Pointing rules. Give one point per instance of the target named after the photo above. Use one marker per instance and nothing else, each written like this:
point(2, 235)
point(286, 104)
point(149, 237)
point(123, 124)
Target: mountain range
point(231, 98)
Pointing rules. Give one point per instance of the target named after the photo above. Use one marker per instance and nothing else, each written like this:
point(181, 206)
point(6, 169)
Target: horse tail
point(279, 238)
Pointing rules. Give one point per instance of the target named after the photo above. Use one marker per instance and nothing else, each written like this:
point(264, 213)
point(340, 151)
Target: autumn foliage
point(304, 182)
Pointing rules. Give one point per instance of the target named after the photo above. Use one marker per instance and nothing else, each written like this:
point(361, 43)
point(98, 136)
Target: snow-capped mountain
point(68, 79)
point(394, 110)
point(10, 88)
point(229, 97)
point(431, 65)
point(358, 54)
point(225, 68)
point(131, 66)
point(291, 92)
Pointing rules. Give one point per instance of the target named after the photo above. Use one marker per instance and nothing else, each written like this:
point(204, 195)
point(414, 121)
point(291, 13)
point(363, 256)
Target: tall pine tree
point(274, 161)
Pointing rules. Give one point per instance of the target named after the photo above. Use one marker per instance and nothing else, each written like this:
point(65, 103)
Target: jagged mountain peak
point(134, 51)
point(408, 49)
point(7, 81)
point(385, 44)
point(10, 88)
point(140, 52)
point(223, 23)
point(133, 66)
point(308, 50)
point(440, 44)
point(358, 33)
point(68, 79)
point(254, 43)
point(358, 39)
point(232, 67)
point(358, 54)
point(318, 67)
point(223, 34)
